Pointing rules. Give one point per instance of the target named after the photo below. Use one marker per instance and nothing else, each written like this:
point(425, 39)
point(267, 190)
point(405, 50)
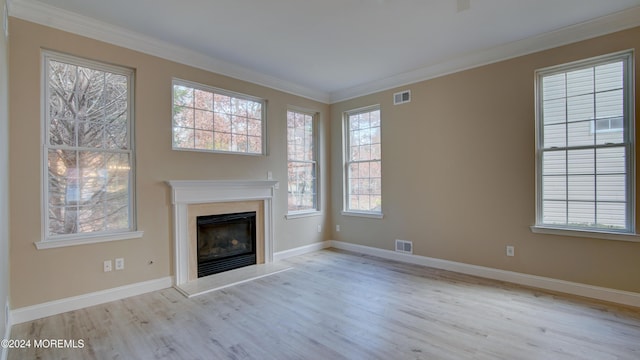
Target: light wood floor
point(339, 305)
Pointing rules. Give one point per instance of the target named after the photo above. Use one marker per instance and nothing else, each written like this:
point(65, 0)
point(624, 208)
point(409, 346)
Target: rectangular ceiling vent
point(402, 97)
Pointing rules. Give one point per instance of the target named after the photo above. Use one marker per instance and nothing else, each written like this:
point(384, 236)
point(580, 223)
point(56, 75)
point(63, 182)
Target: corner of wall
point(5, 318)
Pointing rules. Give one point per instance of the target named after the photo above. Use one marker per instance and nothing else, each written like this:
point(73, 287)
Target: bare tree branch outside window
point(89, 150)
point(302, 163)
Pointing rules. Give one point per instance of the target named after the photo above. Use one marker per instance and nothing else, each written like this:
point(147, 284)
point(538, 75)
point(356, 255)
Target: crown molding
point(586, 30)
point(68, 21)
point(57, 18)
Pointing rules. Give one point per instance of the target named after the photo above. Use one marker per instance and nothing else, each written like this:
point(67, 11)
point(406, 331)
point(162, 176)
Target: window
point(88, 145)
point(585, 146)
point(302, 162)
point(363, 164)
point(209, 119)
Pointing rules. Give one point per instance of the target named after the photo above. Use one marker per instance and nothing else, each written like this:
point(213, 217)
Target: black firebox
point(226, 242)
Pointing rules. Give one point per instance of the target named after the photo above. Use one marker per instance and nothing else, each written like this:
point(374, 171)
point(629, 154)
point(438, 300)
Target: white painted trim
point(51, 244)
point(539, 229)
point(47, 15)
point(370, 215)
point(186, 192)
point(626, 19)
point(303, 214)
point(568, 287)
point(282, 255)
point(55, 307)
point(54, 17)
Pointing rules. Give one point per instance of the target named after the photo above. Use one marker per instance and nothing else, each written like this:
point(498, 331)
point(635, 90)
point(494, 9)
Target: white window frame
point(292, 214)
point(54, 241)
point(207, 88)
point(347, 161)
point(628, 233)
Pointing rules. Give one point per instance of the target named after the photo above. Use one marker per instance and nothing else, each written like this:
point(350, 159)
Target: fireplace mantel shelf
point(200, 191)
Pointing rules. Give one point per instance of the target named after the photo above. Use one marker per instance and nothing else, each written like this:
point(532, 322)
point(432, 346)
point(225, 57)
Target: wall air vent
point(402, 97)
point(404, 246)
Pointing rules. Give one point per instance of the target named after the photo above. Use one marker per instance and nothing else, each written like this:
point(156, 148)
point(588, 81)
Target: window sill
point(302, 214)
point(586, 233)
point(50, 244)
point(363, 214)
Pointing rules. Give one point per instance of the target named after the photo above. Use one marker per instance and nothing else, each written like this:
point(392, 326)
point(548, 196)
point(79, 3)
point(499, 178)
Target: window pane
point(554, 212)
point(580, 108)
point(554, 187)
point(232, 123)
point(554, 87)
point(301, 186)
point(203, 100)
point(611, 188)
point(580, 133)
point(609, 76)
point(610, 104)
point(364, 175)
point(555, 136)
point(88, 109)
point(183, 116)
point(580, 82)
point(204, 120)
point(116, 134)
point(302, 182)
point(62, 132)
point(204, 139)
point(184, 137)
point(580, 161)
point(581, 187)
point(611, 160)
point(554, 163)
point(581, 214)
point(587, 184)
point(555, 111)
point(183, 96)
point(612, 215)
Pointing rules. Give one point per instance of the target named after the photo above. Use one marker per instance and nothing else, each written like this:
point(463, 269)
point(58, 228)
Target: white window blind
point(585, 145)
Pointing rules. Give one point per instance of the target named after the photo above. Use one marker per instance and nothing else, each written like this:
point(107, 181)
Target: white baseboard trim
point(568, 287)
point(281, 255)
point(55, 307)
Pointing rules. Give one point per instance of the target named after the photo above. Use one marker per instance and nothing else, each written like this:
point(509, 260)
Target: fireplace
point(225, 242)
point(195, 198)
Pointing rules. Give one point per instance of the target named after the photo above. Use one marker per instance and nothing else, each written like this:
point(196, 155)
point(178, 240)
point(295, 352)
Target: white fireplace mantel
point(187, 192)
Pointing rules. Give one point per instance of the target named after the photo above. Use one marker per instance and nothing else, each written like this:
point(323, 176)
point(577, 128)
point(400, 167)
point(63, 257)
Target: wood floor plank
point(340, 305)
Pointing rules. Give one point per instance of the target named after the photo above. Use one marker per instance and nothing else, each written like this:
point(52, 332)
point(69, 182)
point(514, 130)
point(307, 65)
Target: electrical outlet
point(511, 251)
point(119, 263)
point(319, 228)
point(269, 175)
point(107, 266)
point(338, 228)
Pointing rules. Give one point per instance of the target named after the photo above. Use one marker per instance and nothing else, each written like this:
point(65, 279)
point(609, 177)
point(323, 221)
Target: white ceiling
point(330, 50)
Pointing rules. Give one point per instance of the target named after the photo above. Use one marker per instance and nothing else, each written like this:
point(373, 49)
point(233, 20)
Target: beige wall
point(459, 173)
point(4, 180)
point(42, 275)
point(458, 168)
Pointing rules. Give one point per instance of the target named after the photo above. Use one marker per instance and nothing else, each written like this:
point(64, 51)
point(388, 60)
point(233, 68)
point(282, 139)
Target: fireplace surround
point(191, 199)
